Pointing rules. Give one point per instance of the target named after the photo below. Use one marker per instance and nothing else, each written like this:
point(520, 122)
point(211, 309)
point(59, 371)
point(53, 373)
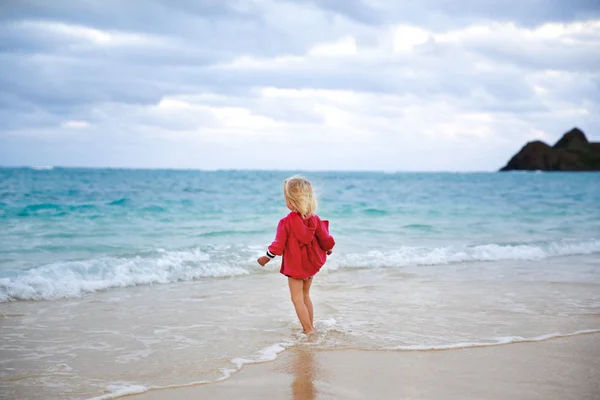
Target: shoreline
point(565, 367)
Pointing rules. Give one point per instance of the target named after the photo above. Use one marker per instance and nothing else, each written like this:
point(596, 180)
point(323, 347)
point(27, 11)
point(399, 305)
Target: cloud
point(263, 83)
point(75, 124)
point(528, 13)
point(345, 46)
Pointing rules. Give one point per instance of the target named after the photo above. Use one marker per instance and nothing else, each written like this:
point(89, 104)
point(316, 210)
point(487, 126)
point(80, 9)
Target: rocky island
point(573, 152)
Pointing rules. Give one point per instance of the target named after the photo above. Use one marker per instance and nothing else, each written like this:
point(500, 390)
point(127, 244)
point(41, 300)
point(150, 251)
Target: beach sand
point(562, 368)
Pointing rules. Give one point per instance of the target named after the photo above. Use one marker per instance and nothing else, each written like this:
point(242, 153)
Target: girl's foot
point(309, 333)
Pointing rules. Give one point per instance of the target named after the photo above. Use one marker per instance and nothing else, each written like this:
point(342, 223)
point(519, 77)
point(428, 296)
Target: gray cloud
point(107, 65)
point(444, 14)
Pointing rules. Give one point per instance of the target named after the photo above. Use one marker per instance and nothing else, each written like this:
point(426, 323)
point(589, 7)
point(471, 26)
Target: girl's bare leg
point(307, 302)
point(296, 291)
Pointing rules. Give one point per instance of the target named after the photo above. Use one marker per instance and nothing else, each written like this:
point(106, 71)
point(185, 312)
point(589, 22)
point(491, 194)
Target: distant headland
point(573, 152)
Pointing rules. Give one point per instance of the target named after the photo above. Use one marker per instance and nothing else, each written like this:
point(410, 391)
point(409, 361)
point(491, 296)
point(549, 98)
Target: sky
point(428, 85)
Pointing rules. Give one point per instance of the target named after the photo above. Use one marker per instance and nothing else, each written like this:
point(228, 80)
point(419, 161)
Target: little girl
point(304, 241)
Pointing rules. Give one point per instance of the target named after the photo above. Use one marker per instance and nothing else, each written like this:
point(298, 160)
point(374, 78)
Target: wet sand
point(564, 368)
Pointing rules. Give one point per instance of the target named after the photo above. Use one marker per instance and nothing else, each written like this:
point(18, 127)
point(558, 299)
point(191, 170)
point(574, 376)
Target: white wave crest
point(411, 256)
point(74, 278)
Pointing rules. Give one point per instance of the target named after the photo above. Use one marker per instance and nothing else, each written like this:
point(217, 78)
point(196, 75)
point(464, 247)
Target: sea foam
point(74, 278)
point(413, 256)
point(497, 342)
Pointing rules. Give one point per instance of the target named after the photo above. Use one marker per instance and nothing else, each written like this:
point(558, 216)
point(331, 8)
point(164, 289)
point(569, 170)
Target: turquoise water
point(125, 281)
point(64, 232)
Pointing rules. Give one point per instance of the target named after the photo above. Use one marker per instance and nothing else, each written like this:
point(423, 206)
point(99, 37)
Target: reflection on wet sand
point(304, 369)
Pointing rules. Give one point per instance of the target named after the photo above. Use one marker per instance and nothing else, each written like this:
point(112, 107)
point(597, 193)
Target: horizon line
point(48, 167)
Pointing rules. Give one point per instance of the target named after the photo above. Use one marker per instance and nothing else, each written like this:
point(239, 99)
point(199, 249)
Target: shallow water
point(118, 281)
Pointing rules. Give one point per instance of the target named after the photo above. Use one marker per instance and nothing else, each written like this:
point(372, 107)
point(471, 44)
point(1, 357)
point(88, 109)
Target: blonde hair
point(299, 192)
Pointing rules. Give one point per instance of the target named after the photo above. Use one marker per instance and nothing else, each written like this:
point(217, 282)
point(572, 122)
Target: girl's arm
point(324, 239)
point(276, 248)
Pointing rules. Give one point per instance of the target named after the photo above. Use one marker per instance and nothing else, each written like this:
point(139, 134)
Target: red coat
point(303, 244)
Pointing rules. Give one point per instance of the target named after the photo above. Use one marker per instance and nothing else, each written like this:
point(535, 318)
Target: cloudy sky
point(408, 85)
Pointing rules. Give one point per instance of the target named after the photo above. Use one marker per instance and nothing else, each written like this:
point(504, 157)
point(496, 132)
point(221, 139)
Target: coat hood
point(304, 230)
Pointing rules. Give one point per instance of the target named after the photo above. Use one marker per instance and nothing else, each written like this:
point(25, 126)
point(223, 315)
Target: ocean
point(123, 281)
